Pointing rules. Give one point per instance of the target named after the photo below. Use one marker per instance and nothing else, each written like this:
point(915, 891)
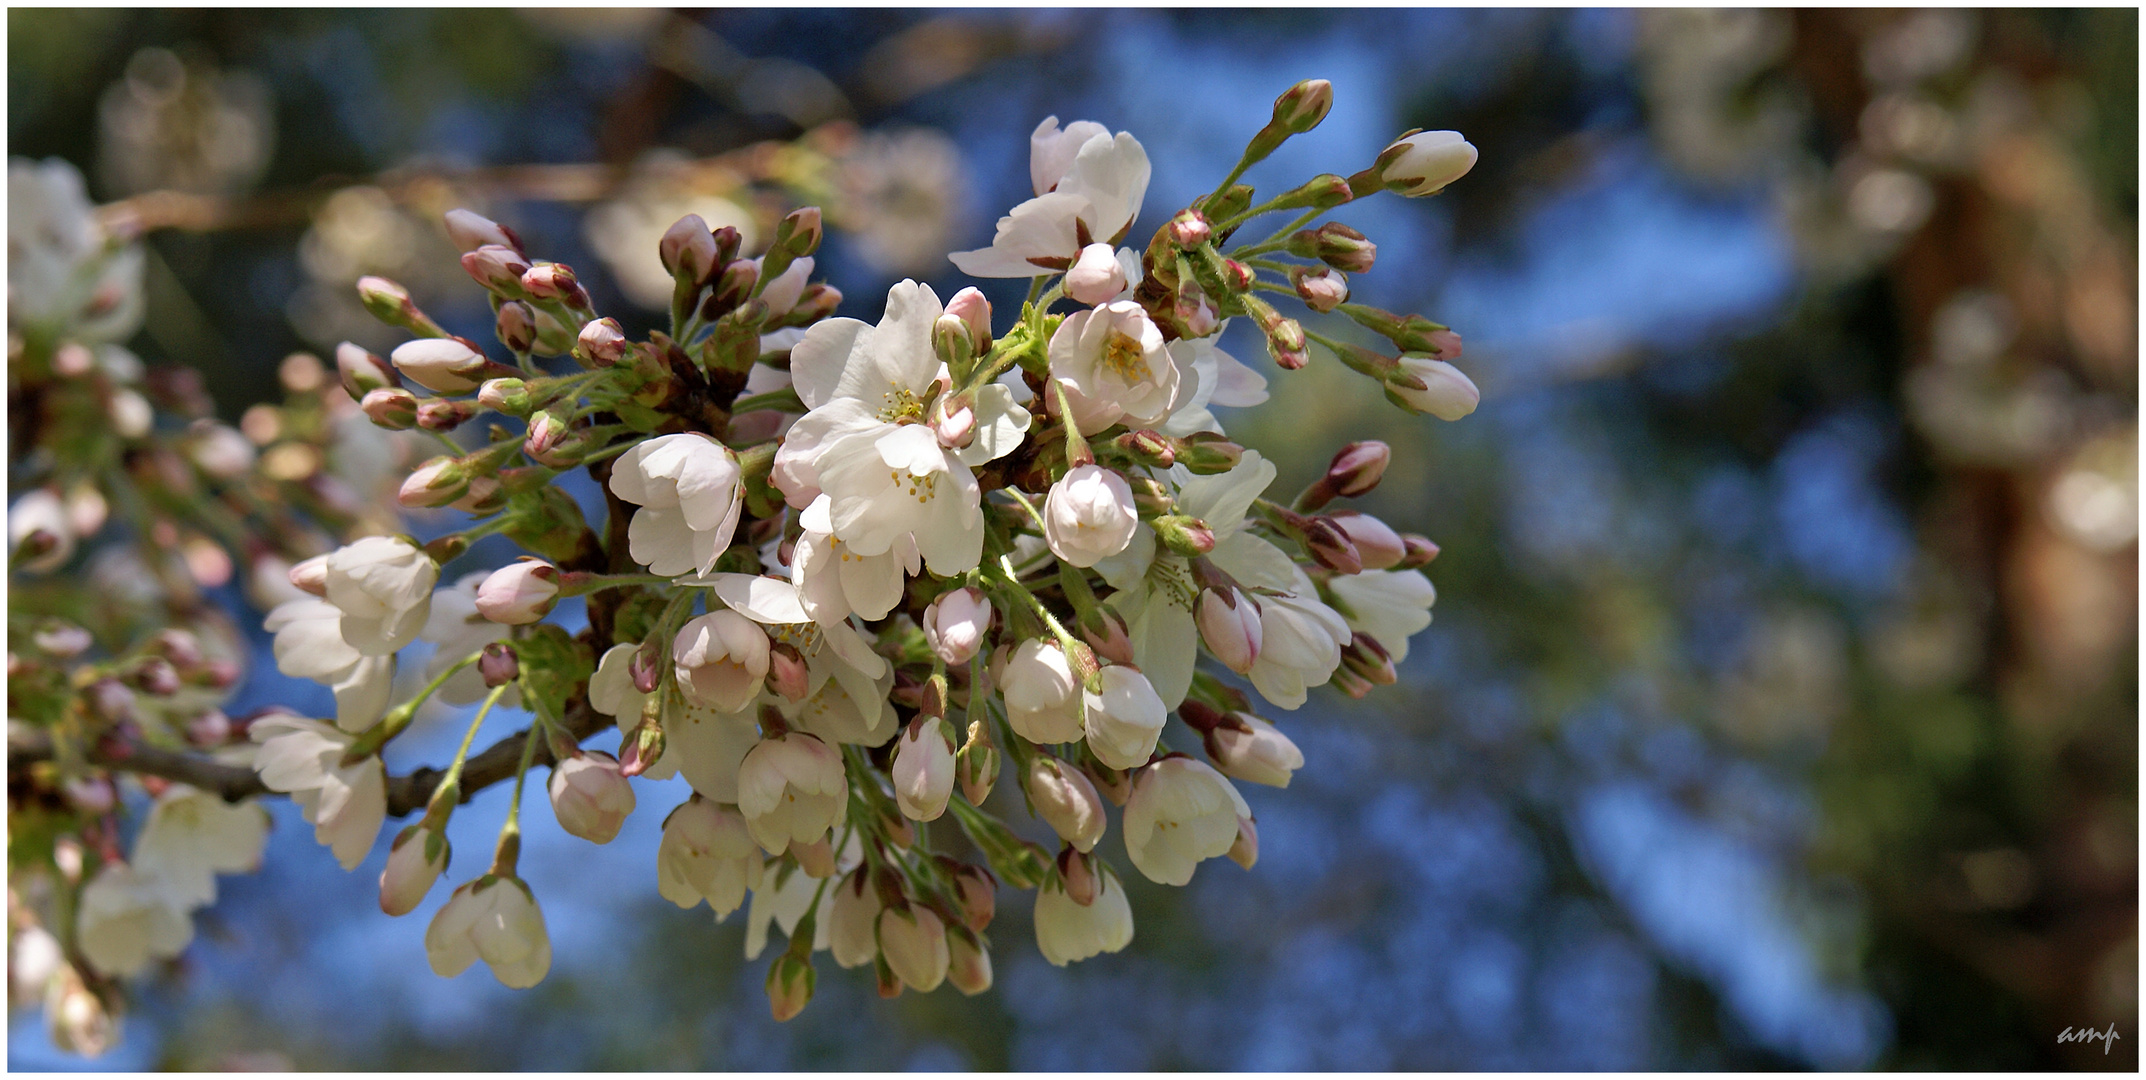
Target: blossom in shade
point(707, 853)
point(791, 789)
point(1181, 811)
point(494, 919)
point(1067, 931)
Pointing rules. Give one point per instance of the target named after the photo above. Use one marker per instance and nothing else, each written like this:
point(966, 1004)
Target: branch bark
point(405, 794)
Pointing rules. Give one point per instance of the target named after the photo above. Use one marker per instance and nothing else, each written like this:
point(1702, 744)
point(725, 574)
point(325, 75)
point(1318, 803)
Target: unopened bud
point(440, 414)
point(516, 326)
point(1301, 107)
point(1322, 192)
point(519, 593)
point(361, 372)
point(819, 301)
point(1419, 552)
point(1380, 547)
point(554, 281)
point(688, 250)
point(645, 744)
point(445, 365)
point(978, 892)
point(1285, 337)
point(951, 341)
point(816, 859)
point(1095, 278)
point(1245, 850)
point(390, 407)
point(1208, 453)
point(1148, 447)
point(1418, 164)
point(1188, 230)
point(61, 639)
point(800, 231)
point(1104, 630)
point(209, 729)
point(1369, 660)
point(156, 677)
point(437, 482)
point(390, 303)
point(470, 230)
point(1350, 683)
point(977, 764)
point(787, 674)
point(1358, 467)
point(414, 863)
point(733, 285)
point(1445, 345)
point(498, 268)
point(548, 433)
point(1331, 547)
point(485, 496)
point(645, 668)
point(1322, 289)
point(602, 343)
point(111, 700)
point(1076, 870)
point(974, 311)
point(1409, 333)
point(789, 980)
point(1336, 245)
point(310, 576)
point(1229, 624)
point(1196, 313)
point(508, 396)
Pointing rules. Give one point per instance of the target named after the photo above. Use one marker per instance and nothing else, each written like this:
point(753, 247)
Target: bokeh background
point(1781, 706)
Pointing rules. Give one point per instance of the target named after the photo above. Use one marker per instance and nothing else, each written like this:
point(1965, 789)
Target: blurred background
point(1781, 707)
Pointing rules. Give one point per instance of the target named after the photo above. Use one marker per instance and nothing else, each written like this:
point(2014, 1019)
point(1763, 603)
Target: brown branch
point(26, 746)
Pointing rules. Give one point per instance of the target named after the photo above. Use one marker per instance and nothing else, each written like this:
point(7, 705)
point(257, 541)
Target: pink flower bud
point(1358, 467)
point(437, 482)
point(1420, 551)
point(688, 250)
point(439, 414)
point(499, 665)
point(1188, 230)
point(1369, 660)
point(311, 576)
point(954, 422)
point(470, 231)
point(590, 796)
point(551, 281)
point(1229, 624)
point(362, 372)
point(548, 432)
point(923, 769)
point(90, 794)
point(1197, 313)
point(1377, 544)
point(1336, 245)
point(390, 407)
point(209, 729)
point(1095, 278)
point(955, 625)
point(414, 862)
point(1245, 850)
point(1105, 633)
point(520, 592)
point(787, 673)
point(516, 325)
point(508, 396)
point(602, 343)
point(1077, 871)
point(1330, 547)
point(968, 965)
point(1301, 107)
point(973, 310)
point(1322, 290)
point(1066, 801)
point(978, 892)
point(1445, 345)
point(498, 268)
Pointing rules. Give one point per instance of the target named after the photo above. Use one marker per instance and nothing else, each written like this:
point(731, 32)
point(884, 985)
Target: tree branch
point(405, 794)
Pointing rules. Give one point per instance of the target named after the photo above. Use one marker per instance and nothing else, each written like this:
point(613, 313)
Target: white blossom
point(1125, 719)
point(1257, 752)
point(1300, 646)
point(1089, 187)
point(707, 854)
point(1425, 162)
point(383, 584)
point(853, 921)
point(1043, 700)
point(1067, 931)
point(1114, 366)
point(1447, 393)
point(126, 919)
point(923, 769)
point(792, 789)
point(345, 804)
point(62, 275)
point(721, 658)
point(309, 645)
point(834, 581)
point(1390, 605)
point(1181, 811)
point(1089, 515)
point(494, 919)
point(688, 487)
point(459, 629)
point(193, 835)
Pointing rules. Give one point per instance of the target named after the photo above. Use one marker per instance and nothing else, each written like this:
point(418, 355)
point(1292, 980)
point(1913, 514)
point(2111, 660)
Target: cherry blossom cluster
point(853, 575)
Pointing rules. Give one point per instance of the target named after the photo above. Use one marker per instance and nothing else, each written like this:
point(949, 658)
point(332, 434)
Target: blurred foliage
point(1782, 705)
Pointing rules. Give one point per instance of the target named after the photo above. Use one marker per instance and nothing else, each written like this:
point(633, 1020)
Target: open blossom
point(590, 796)
point(1389, 605)
point(791, 789)
point(309, 645)
point(1089, 515)
point(835, 582)
point(1181, 811)
point(1114, 366)
point(689, 493)
point(126, 920)
point(914, 942)
point(1125, 719)
point(923, 769)
point(1043, 700)
point(1249, 748)
point(708, 854)
point(1300, 646)
point(494, 919)
point(721, 658)
point(846, 683)
point(1089, 186)
point(866, 444)
point(383, 584)
point(193, 835)
point(1068, 931)
point(346, 804)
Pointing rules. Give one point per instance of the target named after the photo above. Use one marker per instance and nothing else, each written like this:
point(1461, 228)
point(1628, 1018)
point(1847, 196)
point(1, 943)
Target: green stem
point(1025, 505)
point(448, 792)
point(1279, 239)
point(509, 849)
